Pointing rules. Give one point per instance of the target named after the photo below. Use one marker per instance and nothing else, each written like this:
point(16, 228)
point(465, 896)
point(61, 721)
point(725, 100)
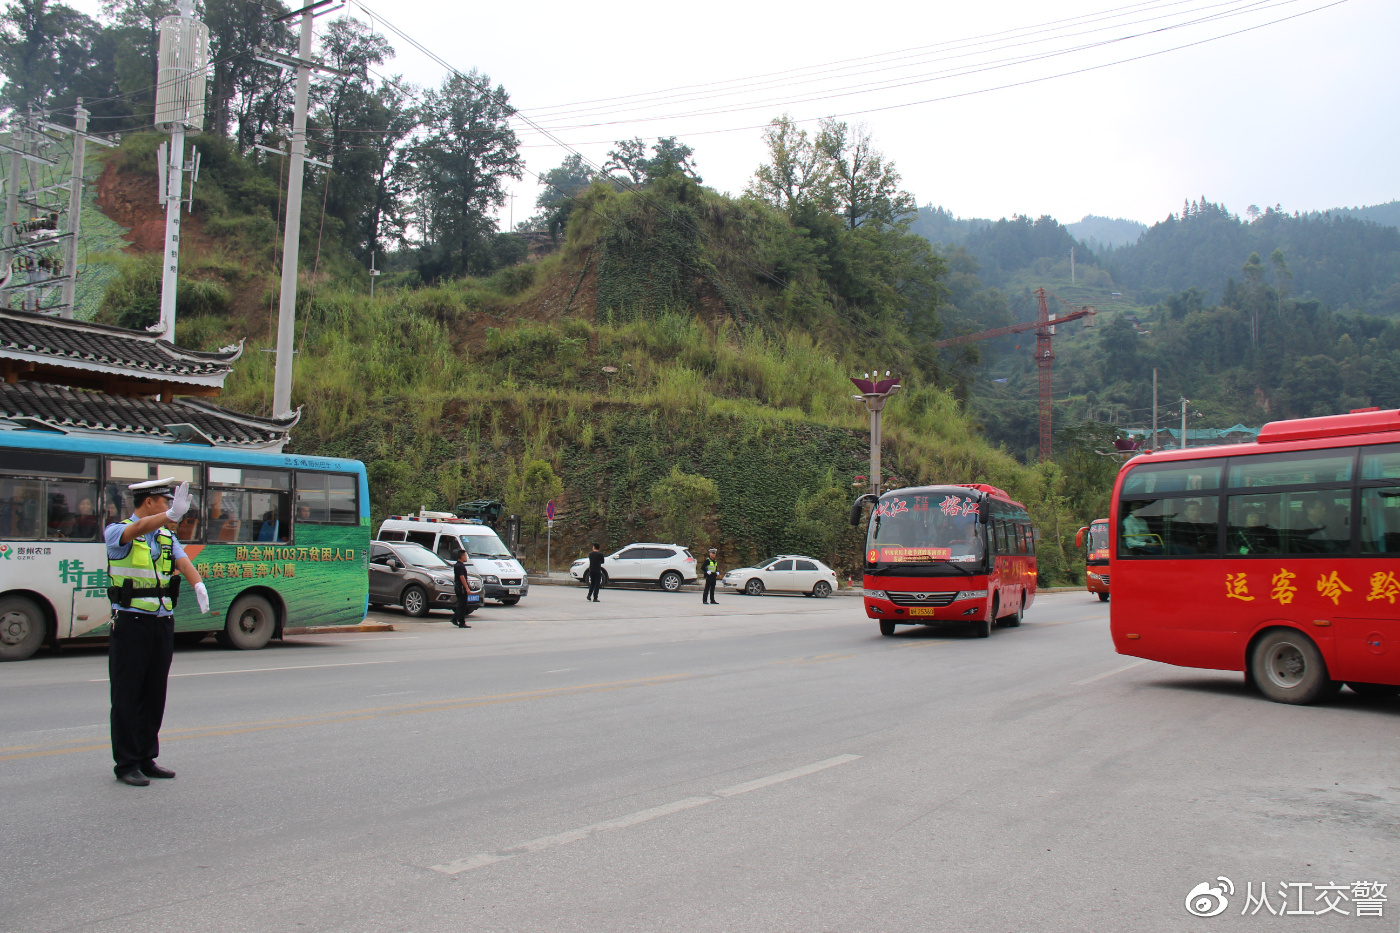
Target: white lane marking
point(1116, 670)
point(261, 670)
point(482, 859)
point(397, 693)
point(744, 788)
point(562, 670)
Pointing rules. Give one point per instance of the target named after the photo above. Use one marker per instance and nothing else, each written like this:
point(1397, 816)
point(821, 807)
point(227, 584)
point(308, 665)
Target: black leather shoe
point(465, 625)
point(154, 770)
point(134, 778)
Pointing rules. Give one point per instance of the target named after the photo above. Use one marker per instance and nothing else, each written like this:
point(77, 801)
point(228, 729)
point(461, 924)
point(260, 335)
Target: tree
point(137, 37)
point(861, 186)
point(538, 485)
point(562, 185)
point(245, 94)
point(684, 501)
point(460, 163)
point(48, 55)
point(795, 171)
point(668, 158)
point(630, 156)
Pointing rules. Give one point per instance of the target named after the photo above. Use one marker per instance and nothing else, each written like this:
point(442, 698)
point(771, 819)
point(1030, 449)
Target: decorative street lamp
point(875, 392)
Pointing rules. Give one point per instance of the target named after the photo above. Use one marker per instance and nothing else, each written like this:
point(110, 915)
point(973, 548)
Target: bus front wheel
point(1288, 668)
point(1103, 597)
point(251, 621)
point(22, 628)
point(887, 627)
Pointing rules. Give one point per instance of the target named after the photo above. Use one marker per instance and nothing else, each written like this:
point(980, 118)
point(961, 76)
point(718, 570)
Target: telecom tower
point(184, 58)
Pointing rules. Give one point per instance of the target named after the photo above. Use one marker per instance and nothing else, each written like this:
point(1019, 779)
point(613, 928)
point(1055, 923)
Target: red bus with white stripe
point(936, 554)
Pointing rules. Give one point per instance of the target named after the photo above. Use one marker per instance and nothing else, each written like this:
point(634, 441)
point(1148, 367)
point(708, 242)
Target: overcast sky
point(1300, 113)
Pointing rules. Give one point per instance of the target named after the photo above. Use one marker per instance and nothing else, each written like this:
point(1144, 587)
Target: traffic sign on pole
point(549, 510)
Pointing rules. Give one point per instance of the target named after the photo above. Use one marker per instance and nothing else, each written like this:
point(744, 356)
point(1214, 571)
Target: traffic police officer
point(142, 557)
point(711, 568)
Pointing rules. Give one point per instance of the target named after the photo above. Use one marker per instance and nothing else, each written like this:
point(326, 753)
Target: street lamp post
point(875, 392)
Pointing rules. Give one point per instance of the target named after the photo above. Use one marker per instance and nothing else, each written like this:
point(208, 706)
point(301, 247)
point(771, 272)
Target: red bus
point(1276, 558)
point(959, 553)
point(1093, 538)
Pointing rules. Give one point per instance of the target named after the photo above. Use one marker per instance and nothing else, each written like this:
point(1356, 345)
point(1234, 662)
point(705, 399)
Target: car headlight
point(875, 594)
point(474, 584)
point(443, 581)
point(970, 594)
point(492, 578)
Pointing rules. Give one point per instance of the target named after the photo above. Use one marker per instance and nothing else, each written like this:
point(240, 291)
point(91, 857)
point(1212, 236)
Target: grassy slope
point(448, 392)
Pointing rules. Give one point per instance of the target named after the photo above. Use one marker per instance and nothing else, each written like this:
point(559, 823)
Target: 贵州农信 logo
point(1207, 900)
point(4, 552)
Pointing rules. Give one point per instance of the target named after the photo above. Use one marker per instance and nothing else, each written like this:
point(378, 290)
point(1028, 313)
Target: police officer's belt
point(124, 594)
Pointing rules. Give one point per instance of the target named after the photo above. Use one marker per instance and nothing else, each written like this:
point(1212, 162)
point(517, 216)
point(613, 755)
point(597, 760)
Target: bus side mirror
point(1079, 538)
point(856, 507)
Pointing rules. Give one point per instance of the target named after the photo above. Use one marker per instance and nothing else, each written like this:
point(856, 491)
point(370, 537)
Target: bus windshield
point(925, 529)
point(1098, 537)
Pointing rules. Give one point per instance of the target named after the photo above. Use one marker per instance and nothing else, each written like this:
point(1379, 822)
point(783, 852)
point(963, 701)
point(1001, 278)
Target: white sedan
point(786, 573)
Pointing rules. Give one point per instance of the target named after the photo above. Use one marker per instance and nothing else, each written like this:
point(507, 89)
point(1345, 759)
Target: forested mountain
point(1101, 232)
point(1341, 261)
point(1387, 214)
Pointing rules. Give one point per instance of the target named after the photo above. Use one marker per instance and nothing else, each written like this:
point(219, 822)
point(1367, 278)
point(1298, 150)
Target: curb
point(685, 588)
point(339, 629)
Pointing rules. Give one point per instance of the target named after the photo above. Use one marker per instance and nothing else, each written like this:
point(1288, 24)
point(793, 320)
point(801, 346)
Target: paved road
point(646, 764)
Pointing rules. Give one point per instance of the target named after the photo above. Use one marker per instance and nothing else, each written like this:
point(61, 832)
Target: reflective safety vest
point(711, 566)
point(141, 580)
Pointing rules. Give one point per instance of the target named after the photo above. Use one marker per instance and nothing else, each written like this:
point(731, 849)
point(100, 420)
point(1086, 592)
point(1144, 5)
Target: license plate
point(920, 611)
point(473, 598)
point(514, 591)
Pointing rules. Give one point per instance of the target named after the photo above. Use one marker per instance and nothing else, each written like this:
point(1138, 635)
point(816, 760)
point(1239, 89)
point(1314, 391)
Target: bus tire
point(1014, 621)
point(23, 627)
point(1103, 597)
point(982, 628)
point(250, 623)
point(1288, 668)
point(887, 627)
point(1374, 691)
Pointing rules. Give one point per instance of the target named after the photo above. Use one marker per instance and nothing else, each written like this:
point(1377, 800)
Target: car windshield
point(764, 563)
point(418, 556)
point(922, 529)
point(488, 546)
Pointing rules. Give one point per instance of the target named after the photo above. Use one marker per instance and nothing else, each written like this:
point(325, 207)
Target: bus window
point(1380, 520)
point(48, 496)
point(1172, 477)
point(1381, 462)
point(327, 498)
point(1178, 527)
point(116, 498)
point(1305, 467)
point(1302, 522)
point(249, 505)
point(21, 503)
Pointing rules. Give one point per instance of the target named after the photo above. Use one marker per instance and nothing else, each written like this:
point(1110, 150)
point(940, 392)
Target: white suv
point(667, 565)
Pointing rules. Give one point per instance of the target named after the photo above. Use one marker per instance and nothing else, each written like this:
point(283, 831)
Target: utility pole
point(1154, 408)
point(1071, 265)
point(75, 209)
point(291, 236)
point(875, 392)
point(183, 58)
point(373, 274)
point(1184, 400)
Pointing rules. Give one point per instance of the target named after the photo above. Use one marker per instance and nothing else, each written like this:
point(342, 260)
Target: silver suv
point(411, 576)
point(667, 565)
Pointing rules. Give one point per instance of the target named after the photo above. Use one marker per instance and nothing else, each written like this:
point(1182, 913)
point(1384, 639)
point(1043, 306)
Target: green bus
point(282, 540)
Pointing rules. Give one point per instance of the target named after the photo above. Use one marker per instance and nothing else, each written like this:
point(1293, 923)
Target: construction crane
point(1044, 327)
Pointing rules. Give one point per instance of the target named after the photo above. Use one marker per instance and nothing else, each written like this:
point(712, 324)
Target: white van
point(444, 534)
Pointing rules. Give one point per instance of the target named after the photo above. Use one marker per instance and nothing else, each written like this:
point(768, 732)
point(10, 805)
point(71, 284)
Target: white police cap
point(155, 487)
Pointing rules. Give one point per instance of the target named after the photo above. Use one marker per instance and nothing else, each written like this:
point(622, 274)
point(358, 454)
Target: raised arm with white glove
point(201, 595)
point(179, 503)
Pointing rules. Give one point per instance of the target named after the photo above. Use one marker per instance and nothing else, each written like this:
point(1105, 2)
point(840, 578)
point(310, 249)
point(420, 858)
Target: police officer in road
point(711, 568)
point(142, 557)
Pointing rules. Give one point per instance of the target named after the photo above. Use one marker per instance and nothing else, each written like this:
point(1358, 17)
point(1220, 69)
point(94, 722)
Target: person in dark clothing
point(711, 568)
point(459, 584)
point(595, 572)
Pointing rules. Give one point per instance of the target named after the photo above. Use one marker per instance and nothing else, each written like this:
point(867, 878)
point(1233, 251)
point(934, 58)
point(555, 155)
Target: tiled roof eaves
point(28, 332)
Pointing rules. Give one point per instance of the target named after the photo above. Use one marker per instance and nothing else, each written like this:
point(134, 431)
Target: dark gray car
point(411, 576)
